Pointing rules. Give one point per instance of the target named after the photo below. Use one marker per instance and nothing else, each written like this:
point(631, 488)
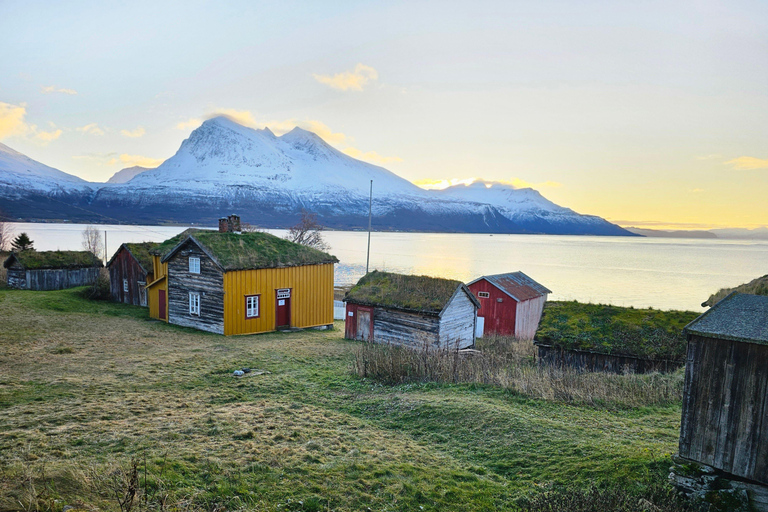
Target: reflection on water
point(658, 272)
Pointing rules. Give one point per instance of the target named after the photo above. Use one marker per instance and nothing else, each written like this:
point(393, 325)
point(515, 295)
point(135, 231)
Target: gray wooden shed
point(725, 402)
point(51, 270)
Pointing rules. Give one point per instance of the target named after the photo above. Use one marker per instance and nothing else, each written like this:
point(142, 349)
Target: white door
point(479, 327)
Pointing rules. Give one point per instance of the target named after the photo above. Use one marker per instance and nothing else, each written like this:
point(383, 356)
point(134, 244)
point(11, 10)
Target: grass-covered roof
point(249, 251)
point(644, 333)
point(165, 247)
point(757, 286)
point(140, 251)
point(35, 260)
point(411, 293)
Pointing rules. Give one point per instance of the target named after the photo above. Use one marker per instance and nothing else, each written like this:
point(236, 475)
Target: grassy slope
point(757, 286)
point(85, 387)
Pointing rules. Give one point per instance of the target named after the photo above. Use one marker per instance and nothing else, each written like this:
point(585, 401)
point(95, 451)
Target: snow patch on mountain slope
point(127, 174)
point(20, 171)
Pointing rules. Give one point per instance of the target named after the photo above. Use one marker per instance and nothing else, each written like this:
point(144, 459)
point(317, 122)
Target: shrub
point(99, 290)
point(657, 498)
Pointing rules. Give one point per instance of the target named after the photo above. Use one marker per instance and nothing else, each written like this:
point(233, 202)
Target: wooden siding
point(209, 283)
point(408, 329)
point(125, 266)
point(528, 317)
point(311, 297)
point(499, 309)
point(457, 323)
point(160, 282)
point(51, 279)
point(596, 362)
point(725, 407)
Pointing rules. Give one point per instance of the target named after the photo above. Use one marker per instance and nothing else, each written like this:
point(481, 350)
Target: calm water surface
point(630, 271)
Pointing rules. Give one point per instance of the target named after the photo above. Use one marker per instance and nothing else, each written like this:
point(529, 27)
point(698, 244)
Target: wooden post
point(370, 206)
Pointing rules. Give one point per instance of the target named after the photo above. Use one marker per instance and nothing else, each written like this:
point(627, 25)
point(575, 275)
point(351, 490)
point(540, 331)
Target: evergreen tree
point(22, 243)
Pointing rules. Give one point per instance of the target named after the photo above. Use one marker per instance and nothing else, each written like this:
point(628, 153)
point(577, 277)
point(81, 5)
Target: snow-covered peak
point(13, 162)
point(502, 195)
point(127, 174)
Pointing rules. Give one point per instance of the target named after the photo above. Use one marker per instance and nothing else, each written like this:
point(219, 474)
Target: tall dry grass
point(511, 364)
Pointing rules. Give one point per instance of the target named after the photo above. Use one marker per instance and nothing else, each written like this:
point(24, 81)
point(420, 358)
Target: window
point(125, 285)
point(483, 295)
point(194, 303)
point(194, 265)
point(251, 306)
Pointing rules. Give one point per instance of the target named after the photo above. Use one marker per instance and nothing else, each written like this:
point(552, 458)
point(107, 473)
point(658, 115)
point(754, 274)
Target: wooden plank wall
point(209, 283)
point(457, 323)
point(17, 278)
point(593, 362)
point(528, 317)
point(407, 329)
point(51, 279)
point(153, 294)
point(311, 297)
point(725, 407)
point(125, 266)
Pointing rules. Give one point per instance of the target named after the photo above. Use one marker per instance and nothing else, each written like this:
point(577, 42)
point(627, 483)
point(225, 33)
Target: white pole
point(370, 205)
point(105, 247)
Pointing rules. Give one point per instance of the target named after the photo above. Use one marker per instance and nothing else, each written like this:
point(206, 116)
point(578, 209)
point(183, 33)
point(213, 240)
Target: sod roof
point(167, 246)
point(37, 260)
point(140, 251)
point(409, 293)
point(250, 251)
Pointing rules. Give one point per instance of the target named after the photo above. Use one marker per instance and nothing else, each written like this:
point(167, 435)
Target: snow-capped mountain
point(224, 167)
point(18, 170)
point(127, 174)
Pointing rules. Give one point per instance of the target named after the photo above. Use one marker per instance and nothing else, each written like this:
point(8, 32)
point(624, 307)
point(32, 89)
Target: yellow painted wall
point(153, 292)
point(311, 297)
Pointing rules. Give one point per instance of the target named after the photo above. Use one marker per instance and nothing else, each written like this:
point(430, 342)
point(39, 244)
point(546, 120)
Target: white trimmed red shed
point(510, 304)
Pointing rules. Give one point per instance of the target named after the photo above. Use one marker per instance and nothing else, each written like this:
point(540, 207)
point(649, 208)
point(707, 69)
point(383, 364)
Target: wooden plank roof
point(419, 294)
point(738, 317)
point(516, 284)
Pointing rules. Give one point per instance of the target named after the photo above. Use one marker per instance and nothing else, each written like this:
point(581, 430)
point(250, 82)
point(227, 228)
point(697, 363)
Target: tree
point(308, 232)
point(6, 235)
point(22, 243)
point(92, 241)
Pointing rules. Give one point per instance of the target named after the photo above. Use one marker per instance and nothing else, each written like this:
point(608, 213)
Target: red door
point(161, 312)
point(283, 308)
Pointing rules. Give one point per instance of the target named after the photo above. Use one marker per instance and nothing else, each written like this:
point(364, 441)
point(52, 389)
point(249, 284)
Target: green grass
point(87, 387)
point(32, 259)
point(417, 293)
point(757, 286)
point(645, 333)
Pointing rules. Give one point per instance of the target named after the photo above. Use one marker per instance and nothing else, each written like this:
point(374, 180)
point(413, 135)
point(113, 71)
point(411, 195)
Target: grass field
point(88, 387)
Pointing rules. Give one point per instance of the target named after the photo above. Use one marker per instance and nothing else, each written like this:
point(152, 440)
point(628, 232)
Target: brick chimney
point(233, 223)
point(223, 225)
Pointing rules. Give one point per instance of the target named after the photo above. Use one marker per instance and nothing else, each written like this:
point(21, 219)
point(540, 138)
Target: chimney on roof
point(223, 225)
point(229, 224)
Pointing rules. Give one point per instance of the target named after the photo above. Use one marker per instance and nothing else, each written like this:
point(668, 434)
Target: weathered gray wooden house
point(725, 403)
point(130, 269)
point(51, 270)
point(413, 311)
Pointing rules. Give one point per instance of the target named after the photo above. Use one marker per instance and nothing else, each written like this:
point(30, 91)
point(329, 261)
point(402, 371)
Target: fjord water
point(663, 273)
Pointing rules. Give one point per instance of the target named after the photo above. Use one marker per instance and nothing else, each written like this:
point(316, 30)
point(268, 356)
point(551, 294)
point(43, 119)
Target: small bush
point(658, 498)
point(99, 290)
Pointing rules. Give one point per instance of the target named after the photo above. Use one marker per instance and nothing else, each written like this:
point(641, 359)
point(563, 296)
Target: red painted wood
point(499, 316)
point(161, 299)
point(350, 322)
point(283, 312)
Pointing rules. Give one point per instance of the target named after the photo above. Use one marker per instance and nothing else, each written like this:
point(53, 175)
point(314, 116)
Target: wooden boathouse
point(510, 304)
point(412, 311)
point(241, 283)
point(51, 270)
point(130, 269)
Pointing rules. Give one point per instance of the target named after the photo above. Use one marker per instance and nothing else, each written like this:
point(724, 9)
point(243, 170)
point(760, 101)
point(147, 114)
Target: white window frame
point(125, 285)
point(194, 303)
point(194, 265)
point(252, 304)
point(483, 295)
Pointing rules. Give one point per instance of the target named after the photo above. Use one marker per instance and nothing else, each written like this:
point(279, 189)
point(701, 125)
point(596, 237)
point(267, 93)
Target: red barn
point(130, 269)
point(510, 304)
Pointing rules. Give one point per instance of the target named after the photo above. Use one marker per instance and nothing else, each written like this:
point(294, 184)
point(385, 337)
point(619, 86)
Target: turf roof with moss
point(251, 251)
point(405, 292)
point(38, 260)
point(141, 252)
point(605, 329)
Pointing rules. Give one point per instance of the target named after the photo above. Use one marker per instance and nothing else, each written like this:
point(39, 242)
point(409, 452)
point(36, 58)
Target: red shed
point(130, 269)
point(510, 304)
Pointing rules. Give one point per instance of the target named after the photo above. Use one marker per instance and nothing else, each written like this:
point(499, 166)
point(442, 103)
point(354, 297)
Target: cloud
point(371, 156)
point(138, 132)
point(190, 124)
point(697, 190)
point(440, 184)
point(12, 120)
point(349, 80)
point(52, 88)
point(91, 129)
point(748, 163)
point(46, 137)
point(125, 160)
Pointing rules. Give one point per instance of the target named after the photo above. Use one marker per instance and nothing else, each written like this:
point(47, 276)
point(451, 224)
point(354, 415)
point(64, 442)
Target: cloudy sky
point(648, 113)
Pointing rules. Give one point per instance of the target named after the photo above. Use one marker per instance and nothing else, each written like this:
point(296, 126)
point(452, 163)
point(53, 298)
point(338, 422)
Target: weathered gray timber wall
point(407, 329)
point(528, 317)
point(725, 407)
point(457, 323)
point(209, 283)
point(596, 362)
point(51, 279)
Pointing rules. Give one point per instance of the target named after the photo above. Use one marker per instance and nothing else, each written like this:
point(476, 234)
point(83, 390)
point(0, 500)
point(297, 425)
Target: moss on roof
point(165, 247)
point(140, 251)
point(605, 329)
point(412, 293)
point(757, 286)
point(36, 260)
point(249, 251)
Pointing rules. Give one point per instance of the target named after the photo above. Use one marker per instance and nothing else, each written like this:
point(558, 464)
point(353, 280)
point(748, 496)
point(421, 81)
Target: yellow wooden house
point(240, 283)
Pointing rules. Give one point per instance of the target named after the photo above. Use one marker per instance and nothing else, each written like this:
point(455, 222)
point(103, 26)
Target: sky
point(649, 114)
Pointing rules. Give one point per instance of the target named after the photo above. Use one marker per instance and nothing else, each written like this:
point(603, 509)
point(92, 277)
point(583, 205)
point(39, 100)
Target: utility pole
point(105, 247)
point(370, 207)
